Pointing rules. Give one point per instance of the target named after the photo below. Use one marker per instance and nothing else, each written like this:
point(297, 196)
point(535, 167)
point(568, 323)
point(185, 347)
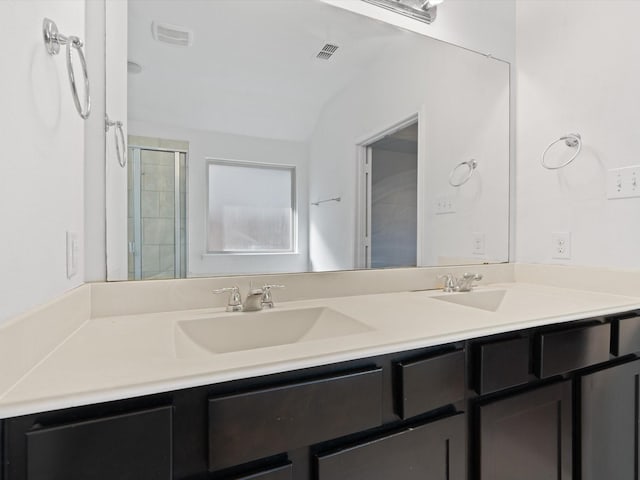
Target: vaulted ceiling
point(252, 67)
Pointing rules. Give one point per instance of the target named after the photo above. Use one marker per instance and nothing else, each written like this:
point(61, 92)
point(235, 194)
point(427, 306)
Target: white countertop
point(118, 357)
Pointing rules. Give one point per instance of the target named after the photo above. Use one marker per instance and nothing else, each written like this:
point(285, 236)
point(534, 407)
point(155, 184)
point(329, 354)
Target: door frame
point(362, 248)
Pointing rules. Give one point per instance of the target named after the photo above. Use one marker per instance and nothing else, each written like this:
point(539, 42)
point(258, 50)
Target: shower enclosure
point(157, 210)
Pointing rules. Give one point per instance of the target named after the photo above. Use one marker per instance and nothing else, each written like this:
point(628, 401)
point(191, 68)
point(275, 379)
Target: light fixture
point(423, 10)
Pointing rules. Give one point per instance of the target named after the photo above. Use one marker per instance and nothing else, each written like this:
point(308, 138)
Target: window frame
point(294, 204)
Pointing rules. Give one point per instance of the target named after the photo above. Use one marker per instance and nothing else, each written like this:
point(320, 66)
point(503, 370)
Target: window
point(251, 208)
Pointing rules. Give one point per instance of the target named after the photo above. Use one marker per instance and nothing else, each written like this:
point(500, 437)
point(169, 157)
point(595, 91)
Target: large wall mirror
point(291, 136)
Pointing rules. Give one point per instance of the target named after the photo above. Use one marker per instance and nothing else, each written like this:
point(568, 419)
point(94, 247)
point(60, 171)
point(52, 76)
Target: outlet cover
point(478, 243)
point(561, 245)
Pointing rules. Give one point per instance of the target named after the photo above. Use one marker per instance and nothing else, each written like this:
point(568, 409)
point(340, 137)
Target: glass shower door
point(157, 213)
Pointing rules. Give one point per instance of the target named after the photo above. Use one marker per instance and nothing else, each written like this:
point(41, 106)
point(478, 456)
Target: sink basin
point(525, 301)
point(248, 331)
point(490, 300)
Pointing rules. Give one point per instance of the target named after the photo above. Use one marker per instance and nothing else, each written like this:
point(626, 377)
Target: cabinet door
point(527, 436)
point(134, 446)
point(609, 421)
point(433, 451)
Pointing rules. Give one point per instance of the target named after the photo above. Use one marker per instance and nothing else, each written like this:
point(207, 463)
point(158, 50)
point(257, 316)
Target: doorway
point(156, 211)
point(392, 199)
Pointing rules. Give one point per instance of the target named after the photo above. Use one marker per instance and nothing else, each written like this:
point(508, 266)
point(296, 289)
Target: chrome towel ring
point(470, 164)
point(571, 140)
point(121, 146)
point(52, 41)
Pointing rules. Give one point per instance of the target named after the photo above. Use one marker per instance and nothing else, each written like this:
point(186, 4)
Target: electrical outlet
point(478, 243)
point(73, 249)
point(561, 244)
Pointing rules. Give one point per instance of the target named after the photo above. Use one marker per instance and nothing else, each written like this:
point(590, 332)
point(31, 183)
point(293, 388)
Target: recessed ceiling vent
point(327, 51)
point(172, 34)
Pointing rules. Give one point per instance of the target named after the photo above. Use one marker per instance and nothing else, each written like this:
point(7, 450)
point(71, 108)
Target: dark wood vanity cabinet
point(561, 351)
point(396, 411)
point(132, 446)
point(610, 421)
point(429, 383)
point(527, 436)
point(256, 424)
point(500, 364)
point(551, 403)
point(431, 451)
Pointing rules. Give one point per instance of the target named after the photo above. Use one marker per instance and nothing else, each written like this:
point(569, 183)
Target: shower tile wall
point(158, 223)
point(157, 204)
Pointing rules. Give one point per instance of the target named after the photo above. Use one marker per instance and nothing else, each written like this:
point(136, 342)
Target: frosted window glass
point(251, 208)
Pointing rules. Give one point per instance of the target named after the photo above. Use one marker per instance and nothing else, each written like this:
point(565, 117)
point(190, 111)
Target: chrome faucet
point(450, 283)
point(462, 284)
point(256, 300)
point(465, 283)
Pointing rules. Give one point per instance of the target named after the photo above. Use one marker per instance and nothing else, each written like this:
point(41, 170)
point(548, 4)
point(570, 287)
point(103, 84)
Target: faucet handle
point(465, 284)
point(449, 282)
point(267, 299)
point(235, 301)
point(472, 276)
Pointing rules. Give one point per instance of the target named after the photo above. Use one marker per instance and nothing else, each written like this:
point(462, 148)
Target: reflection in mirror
point(280, 136)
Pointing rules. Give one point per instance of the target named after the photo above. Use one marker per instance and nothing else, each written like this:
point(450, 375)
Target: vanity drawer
point(261, 423)
point(625, 335)
point(562, 351)
point(432, 450)
point(430, 383)
point(278, 473)
point(501, 364)
point(135, 446)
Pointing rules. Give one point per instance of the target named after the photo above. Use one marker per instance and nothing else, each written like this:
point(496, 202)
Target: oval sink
point(248, 331)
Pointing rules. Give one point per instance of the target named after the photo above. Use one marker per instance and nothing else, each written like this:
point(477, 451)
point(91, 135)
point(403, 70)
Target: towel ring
point(52, 40)
point(121, 146)
point(471, 165)
point(572, 140)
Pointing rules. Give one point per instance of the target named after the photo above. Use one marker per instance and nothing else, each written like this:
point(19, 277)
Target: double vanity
point(511, 380)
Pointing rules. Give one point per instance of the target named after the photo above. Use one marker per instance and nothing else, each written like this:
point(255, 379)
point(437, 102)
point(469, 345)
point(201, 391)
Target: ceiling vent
point(327, 51)
point(172, 34)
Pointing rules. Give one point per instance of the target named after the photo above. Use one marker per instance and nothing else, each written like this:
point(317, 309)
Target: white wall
point(41, 172)
point(463, 100)
point(217, 145)
point(578, 70)
point(485, 26)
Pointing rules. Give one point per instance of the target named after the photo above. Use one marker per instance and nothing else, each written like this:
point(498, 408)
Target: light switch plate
point(445, 204)
point(623, 182)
